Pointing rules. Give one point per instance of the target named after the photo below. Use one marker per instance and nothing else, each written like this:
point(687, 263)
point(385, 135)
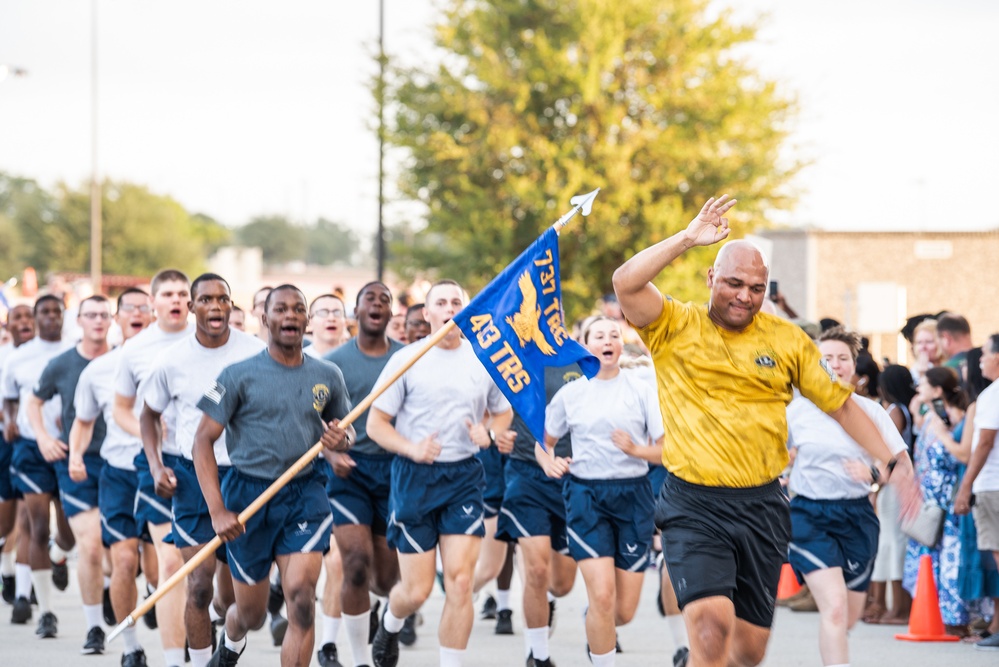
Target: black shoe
point(373, 620)
point(22, 611)
point(489, 608)
point(134, 659)
point(385, 648)
point(48, 626)
point(617, 644)
point(407, 636)
point(95, 642)
point(279, 626)
point(149, 618)
point(8, 590)
point(534, 662)
point(275, 598)
point(224, 657)
point(109, 617)
point(327, 656)
point(504, 622)
point(551, 617)
point(60, 575)
point(681, 656)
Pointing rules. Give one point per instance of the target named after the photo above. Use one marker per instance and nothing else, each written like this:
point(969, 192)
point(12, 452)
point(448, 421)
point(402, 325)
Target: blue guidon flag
point(516, 327)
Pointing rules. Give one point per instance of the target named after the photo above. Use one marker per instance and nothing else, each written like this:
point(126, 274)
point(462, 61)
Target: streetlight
point(11, 70)
point(95, 188)
point(381, 138)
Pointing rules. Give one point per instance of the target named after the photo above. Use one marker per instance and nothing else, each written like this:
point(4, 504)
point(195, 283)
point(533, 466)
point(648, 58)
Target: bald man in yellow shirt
point(725, 374)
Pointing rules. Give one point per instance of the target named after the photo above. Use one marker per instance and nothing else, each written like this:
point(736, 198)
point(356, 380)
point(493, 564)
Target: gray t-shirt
point(60, 378)
point(360, 372)
point(442, 390)
point(556, 377)
point(273, 414)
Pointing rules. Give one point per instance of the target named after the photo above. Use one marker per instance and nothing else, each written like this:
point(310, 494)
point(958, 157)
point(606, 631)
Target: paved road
point(646, 641)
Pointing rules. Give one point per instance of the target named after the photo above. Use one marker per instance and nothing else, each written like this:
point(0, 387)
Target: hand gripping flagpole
point(580, 204)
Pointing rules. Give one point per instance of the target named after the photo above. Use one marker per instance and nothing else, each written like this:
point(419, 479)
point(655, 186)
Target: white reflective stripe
point(409, 538)
point(856, 581)
point(115, 533)
point(178, 532)
point(520, 526)
point(346, 512)
point(75, 502)
point(475, 526)
point(239, 568)
point(30, 484)
point(640, 563)
point(807, 555)
point(489, 507)
point(154, 502)
point(324, 527)
point(586, 547)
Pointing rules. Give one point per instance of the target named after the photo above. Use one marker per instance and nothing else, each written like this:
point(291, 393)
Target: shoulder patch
point(215, 392)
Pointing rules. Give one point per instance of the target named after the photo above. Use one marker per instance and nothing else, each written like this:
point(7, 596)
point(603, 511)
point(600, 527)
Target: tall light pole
point(11, 70)
point(96, 270)
point(381, 138)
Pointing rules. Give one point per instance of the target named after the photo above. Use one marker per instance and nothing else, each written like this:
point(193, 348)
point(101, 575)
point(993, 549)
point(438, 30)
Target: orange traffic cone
point(925, 622)
point(788, 584)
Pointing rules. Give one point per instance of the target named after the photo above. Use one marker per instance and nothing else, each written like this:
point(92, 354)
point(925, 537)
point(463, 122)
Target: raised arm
point(641, 302)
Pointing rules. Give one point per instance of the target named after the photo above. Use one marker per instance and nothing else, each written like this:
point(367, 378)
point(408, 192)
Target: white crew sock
point(392, 624)
point(358, 627)
point(56, 554)
point(502, 599)
point(22, 580)
point(200, 657)
point(7, 563)
point(677, 630)
point(331, 628)
point(42, 581)
point(551, 598)
point(213, 613)
point(93, 614)
point(451, 657)
point(537, 639)
point(131, 641)
point(174, 657)
point(236, 646)
point(604, 659)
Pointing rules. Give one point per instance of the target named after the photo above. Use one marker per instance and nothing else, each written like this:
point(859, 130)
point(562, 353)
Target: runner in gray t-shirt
point(273, 407)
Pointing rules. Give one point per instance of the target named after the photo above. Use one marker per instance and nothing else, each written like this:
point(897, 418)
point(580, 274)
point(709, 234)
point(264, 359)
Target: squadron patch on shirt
point(765, 361)
point(320, 397)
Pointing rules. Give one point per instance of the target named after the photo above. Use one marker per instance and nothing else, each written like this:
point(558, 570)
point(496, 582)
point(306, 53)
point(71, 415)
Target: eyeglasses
point(95, 316)
point(130, 307)
point(323, 313)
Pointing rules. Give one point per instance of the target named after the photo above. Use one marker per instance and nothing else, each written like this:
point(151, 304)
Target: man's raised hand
point(711, 226)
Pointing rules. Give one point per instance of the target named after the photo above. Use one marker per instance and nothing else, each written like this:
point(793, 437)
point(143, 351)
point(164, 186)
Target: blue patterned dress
point(939, 474)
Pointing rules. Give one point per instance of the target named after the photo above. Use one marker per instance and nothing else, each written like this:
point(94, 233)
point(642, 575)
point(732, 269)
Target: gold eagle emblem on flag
point(526, 322)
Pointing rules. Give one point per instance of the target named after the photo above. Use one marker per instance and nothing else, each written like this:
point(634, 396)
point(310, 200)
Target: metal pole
point(381, 138)
point(96, 270)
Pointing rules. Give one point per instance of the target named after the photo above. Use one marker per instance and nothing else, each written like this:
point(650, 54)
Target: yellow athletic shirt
point(723, 393)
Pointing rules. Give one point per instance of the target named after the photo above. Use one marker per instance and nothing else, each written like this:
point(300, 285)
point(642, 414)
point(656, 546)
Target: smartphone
point(773, 290)
point(938, 407)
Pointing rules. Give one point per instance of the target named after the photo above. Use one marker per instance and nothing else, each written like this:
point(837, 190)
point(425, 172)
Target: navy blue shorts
point(493, 464)
point(610, 518)
point(532, 506)
point(656, 477)
point(149, 507)
point(430, 500)
point(82, 496)
point(296, 520)
point(721, 541)
point(117, 500)
point(834, 533)
point(30, 472)
point(7, 490)
point(191, 525)
point(362, 499)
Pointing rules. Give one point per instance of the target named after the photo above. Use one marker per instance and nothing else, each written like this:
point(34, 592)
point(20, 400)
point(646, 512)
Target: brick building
point(873, 281)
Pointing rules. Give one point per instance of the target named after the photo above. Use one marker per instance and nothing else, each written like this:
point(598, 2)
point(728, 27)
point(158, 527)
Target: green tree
point(538, 100)
point(27, 211)
point(277, 237)
point(329, 242)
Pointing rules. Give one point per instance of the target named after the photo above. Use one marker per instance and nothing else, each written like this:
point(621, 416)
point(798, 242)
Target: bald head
point(741, 253)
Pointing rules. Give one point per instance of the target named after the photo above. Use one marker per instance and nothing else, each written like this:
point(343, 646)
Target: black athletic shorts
point(725, 542)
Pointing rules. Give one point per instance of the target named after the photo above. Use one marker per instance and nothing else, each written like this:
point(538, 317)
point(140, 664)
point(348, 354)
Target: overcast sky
point(258, 107)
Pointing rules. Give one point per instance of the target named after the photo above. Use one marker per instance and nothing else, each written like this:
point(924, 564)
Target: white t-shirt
point(21, 371)
point(823, 446)
point(95, 397)
point(182, 375)
point(440, 391)
point(591, 409)
point(987, 418)
point(135, 365)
